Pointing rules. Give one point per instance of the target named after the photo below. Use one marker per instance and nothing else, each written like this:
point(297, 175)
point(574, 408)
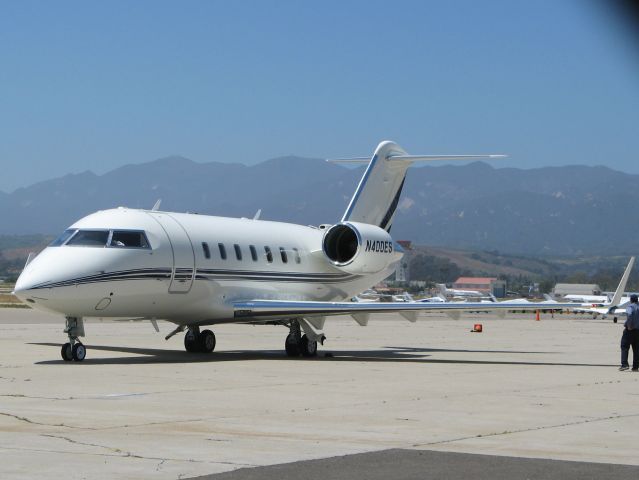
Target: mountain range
point(571, 210)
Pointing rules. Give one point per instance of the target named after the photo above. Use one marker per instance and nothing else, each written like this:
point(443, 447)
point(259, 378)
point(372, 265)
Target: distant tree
point(578, 277)
point(433, 269)
point(547, 284)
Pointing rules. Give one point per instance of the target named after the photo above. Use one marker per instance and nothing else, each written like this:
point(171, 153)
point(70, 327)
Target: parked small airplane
point(196, 270)
point(456, 293)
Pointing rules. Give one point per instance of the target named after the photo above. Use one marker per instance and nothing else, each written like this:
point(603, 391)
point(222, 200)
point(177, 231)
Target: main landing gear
point(297, 344)
point(196, 341)
point(74, 349)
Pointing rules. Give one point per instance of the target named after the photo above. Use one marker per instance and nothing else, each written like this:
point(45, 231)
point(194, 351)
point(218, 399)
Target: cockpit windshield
point(62, 238)
point(102, 238)
point(90, 238)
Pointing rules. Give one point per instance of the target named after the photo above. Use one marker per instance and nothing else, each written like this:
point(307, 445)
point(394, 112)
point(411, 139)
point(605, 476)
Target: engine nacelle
point(359, 247)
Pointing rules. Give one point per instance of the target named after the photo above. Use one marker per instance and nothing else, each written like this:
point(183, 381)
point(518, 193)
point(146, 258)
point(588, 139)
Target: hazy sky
point(93, 85)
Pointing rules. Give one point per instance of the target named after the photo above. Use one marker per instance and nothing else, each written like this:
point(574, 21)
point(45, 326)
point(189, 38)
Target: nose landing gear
point(74, 349)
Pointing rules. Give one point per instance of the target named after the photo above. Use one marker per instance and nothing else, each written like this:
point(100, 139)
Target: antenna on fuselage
point(257, 214)
point(156, 207)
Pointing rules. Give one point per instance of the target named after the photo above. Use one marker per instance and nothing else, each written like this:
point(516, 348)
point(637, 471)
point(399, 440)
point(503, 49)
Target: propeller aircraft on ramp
point(196, 270)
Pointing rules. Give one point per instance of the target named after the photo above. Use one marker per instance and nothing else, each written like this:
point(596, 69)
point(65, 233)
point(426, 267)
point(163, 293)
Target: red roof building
point(485, 285)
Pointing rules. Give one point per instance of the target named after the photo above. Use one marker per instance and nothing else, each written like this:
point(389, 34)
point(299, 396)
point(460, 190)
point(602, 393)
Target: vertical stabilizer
point(442, 289)
point(378, 192)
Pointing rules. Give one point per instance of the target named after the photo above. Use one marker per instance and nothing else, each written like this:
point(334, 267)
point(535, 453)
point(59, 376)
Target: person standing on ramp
point(630, 336)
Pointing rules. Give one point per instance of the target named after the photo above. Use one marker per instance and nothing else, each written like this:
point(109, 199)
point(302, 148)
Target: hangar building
point(486, 285)
point(563, 289)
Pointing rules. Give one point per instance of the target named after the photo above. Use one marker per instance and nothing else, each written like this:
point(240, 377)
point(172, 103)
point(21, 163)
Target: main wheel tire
point(207, 341)
point(79, 352)
point(308, 347)
point(66, 352)
point(191, 342)
point(291, 346)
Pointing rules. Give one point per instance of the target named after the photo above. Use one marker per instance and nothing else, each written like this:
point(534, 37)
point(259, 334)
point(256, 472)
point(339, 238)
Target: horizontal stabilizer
point(416, 158)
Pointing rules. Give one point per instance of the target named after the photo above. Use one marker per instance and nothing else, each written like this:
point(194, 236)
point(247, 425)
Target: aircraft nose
point(30, 280)
point(24, 286)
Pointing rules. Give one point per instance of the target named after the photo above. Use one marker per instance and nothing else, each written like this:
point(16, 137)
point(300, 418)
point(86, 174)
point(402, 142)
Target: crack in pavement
point(116, 452)
point(121, 453)
point(531, 429)
point(33, 422)
point(70, 440)
point(35, 397)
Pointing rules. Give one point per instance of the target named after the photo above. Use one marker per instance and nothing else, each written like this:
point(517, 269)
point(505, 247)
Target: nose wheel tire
point(66, 352)
point(79, 352)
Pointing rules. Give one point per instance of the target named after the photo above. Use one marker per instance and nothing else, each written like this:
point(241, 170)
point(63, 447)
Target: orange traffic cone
point(537, 316)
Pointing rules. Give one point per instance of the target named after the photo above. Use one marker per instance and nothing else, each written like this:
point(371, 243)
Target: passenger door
point(183, 254)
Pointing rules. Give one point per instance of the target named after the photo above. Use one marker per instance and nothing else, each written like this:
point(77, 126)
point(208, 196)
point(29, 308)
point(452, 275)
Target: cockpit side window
point(128, 239)
point(62, 238)
point(89, 238)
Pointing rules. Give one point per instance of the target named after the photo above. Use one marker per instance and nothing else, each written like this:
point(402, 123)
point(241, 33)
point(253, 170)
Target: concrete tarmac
point(139, 406)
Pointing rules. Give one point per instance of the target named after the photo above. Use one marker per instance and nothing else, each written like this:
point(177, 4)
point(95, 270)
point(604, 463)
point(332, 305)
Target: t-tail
point(377, 196)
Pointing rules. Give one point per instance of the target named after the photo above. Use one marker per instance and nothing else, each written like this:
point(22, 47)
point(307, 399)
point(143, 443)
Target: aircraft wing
point(266, 310)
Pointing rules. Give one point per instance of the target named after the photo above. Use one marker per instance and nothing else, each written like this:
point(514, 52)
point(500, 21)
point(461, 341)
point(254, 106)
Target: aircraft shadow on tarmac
point(388, 354)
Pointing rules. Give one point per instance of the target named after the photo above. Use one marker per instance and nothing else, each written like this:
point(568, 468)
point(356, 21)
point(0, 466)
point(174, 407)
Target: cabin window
point(283, 255)
point(238, 251)
point(253, 252)
point(89, 238)
point(207, 251)
point(62, 238)
point(298, 259)
point(222, 250)
point(269, 254)
point(128, 239)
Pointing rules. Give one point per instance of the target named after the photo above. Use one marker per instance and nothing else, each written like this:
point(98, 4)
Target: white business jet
point(455, 293)
point(196, 270)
